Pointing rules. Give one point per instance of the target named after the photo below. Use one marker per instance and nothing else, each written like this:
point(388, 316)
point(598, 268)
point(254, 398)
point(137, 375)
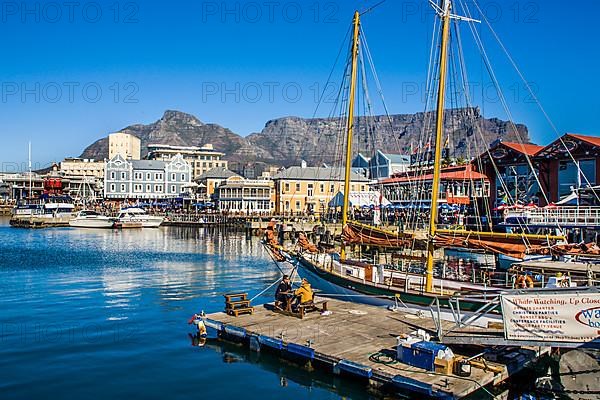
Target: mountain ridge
point(287, 140)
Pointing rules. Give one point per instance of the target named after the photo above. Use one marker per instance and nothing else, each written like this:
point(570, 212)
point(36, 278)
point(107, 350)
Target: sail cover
point(357, 233)
point(517, 246)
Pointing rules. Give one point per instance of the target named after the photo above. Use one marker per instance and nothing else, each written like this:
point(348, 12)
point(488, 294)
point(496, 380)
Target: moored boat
point(91, 219)
point(347, 274)
point(137, 217)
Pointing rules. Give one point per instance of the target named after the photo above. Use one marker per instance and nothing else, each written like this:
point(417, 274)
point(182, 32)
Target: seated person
point(282, 293)
point(304, 294)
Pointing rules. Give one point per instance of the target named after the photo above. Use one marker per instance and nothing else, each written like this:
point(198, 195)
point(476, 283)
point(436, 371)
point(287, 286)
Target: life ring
point(524, 281)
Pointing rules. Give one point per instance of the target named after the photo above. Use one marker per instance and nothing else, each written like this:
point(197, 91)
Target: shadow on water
point(287, 371)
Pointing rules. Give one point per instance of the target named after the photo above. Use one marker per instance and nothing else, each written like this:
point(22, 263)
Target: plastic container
point(420, 354)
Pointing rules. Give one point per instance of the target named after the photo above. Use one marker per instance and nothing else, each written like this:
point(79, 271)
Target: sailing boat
point(339, 275)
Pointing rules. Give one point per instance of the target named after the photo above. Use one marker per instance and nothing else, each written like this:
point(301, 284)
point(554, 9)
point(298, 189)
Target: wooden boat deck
point(353, 332)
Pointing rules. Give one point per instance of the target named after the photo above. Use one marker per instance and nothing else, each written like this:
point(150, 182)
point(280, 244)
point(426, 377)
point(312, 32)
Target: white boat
point(91, 219)
point(26, 210)
point(54, 213)
point(58, 210)
point(135, 216)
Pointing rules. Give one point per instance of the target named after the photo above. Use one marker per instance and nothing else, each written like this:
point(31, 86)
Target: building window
point(322, 187)
point(123, 175)
point(572, 177)
point(122, 187)
point(297, 205)
point(148, 176)
point(148, 188)
point(113, 187)
point(183, 178)
point(310, 191)
point(173, 189)
point(332, 188)
point(173, 177)
point(287, 187)
point(113, 176)
point(287, 205)
point(157, 177)
point(158, 188)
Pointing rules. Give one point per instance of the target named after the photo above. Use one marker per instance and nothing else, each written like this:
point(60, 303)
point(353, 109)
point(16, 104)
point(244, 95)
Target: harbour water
point(103, 314)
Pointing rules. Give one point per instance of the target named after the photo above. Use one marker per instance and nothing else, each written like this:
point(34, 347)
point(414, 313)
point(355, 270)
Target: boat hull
point(149, 222)
point(338, 289)
point(99, 223)
point(357, 291)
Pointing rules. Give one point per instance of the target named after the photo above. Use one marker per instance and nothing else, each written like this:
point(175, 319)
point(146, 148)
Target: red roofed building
point(458, 185)
point(528, 172)
point(508, 168)
point(571, 161)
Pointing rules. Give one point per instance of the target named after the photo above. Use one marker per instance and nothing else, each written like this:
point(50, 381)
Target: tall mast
point(350, 125)
point(439, 132)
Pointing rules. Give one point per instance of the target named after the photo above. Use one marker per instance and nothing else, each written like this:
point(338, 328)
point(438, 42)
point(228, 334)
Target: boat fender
point(201, 327)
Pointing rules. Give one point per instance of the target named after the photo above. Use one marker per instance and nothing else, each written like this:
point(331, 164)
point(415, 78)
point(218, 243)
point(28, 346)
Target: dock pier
point(360, 341)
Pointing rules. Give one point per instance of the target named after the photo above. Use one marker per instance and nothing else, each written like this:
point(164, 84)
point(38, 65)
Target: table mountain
point(286, 141)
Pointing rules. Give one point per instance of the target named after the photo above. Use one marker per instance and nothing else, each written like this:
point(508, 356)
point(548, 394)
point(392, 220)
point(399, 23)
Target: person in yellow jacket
point(304, 294)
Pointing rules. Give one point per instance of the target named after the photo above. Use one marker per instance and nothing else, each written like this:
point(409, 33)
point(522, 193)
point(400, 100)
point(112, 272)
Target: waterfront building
point(146, 179)
point(202, 159)
point(23, 185)
point(82, 167)
point(303, 189)
point(253, 170)
point(246, 196)
point(209, 181)
point(125, 145)
point(384, 165)
point(360, 165)
point(458, 185)
point(508, 168)
point(570, 162)
point(4, 191)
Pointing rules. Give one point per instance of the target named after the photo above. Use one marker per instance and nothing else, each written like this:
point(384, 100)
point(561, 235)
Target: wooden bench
point(312, 306)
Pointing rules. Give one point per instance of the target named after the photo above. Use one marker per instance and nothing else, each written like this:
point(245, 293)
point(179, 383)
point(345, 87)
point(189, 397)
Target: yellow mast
point(350, 125)
point(439, 131)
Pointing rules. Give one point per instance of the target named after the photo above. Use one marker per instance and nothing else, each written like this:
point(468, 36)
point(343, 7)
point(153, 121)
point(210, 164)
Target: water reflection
point(289, 374)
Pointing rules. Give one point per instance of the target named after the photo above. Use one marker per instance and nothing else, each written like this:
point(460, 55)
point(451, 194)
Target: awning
point(359, 199)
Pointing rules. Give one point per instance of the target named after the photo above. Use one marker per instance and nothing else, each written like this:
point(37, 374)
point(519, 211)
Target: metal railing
point(561, 216)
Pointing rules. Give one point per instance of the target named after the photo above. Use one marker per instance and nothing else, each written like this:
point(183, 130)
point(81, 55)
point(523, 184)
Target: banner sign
point(555, 317)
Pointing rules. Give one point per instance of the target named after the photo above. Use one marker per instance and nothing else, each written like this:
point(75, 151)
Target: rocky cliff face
point(286, 141)
point(179, 129)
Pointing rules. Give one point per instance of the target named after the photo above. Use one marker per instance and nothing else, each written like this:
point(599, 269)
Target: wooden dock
point(345, 342)
point(39, 222)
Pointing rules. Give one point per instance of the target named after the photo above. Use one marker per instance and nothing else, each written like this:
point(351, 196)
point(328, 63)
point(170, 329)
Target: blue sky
point(72, 74)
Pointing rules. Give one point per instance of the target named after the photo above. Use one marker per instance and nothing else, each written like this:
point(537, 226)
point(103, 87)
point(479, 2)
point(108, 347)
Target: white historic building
point(246, 196)
point(146, 179)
